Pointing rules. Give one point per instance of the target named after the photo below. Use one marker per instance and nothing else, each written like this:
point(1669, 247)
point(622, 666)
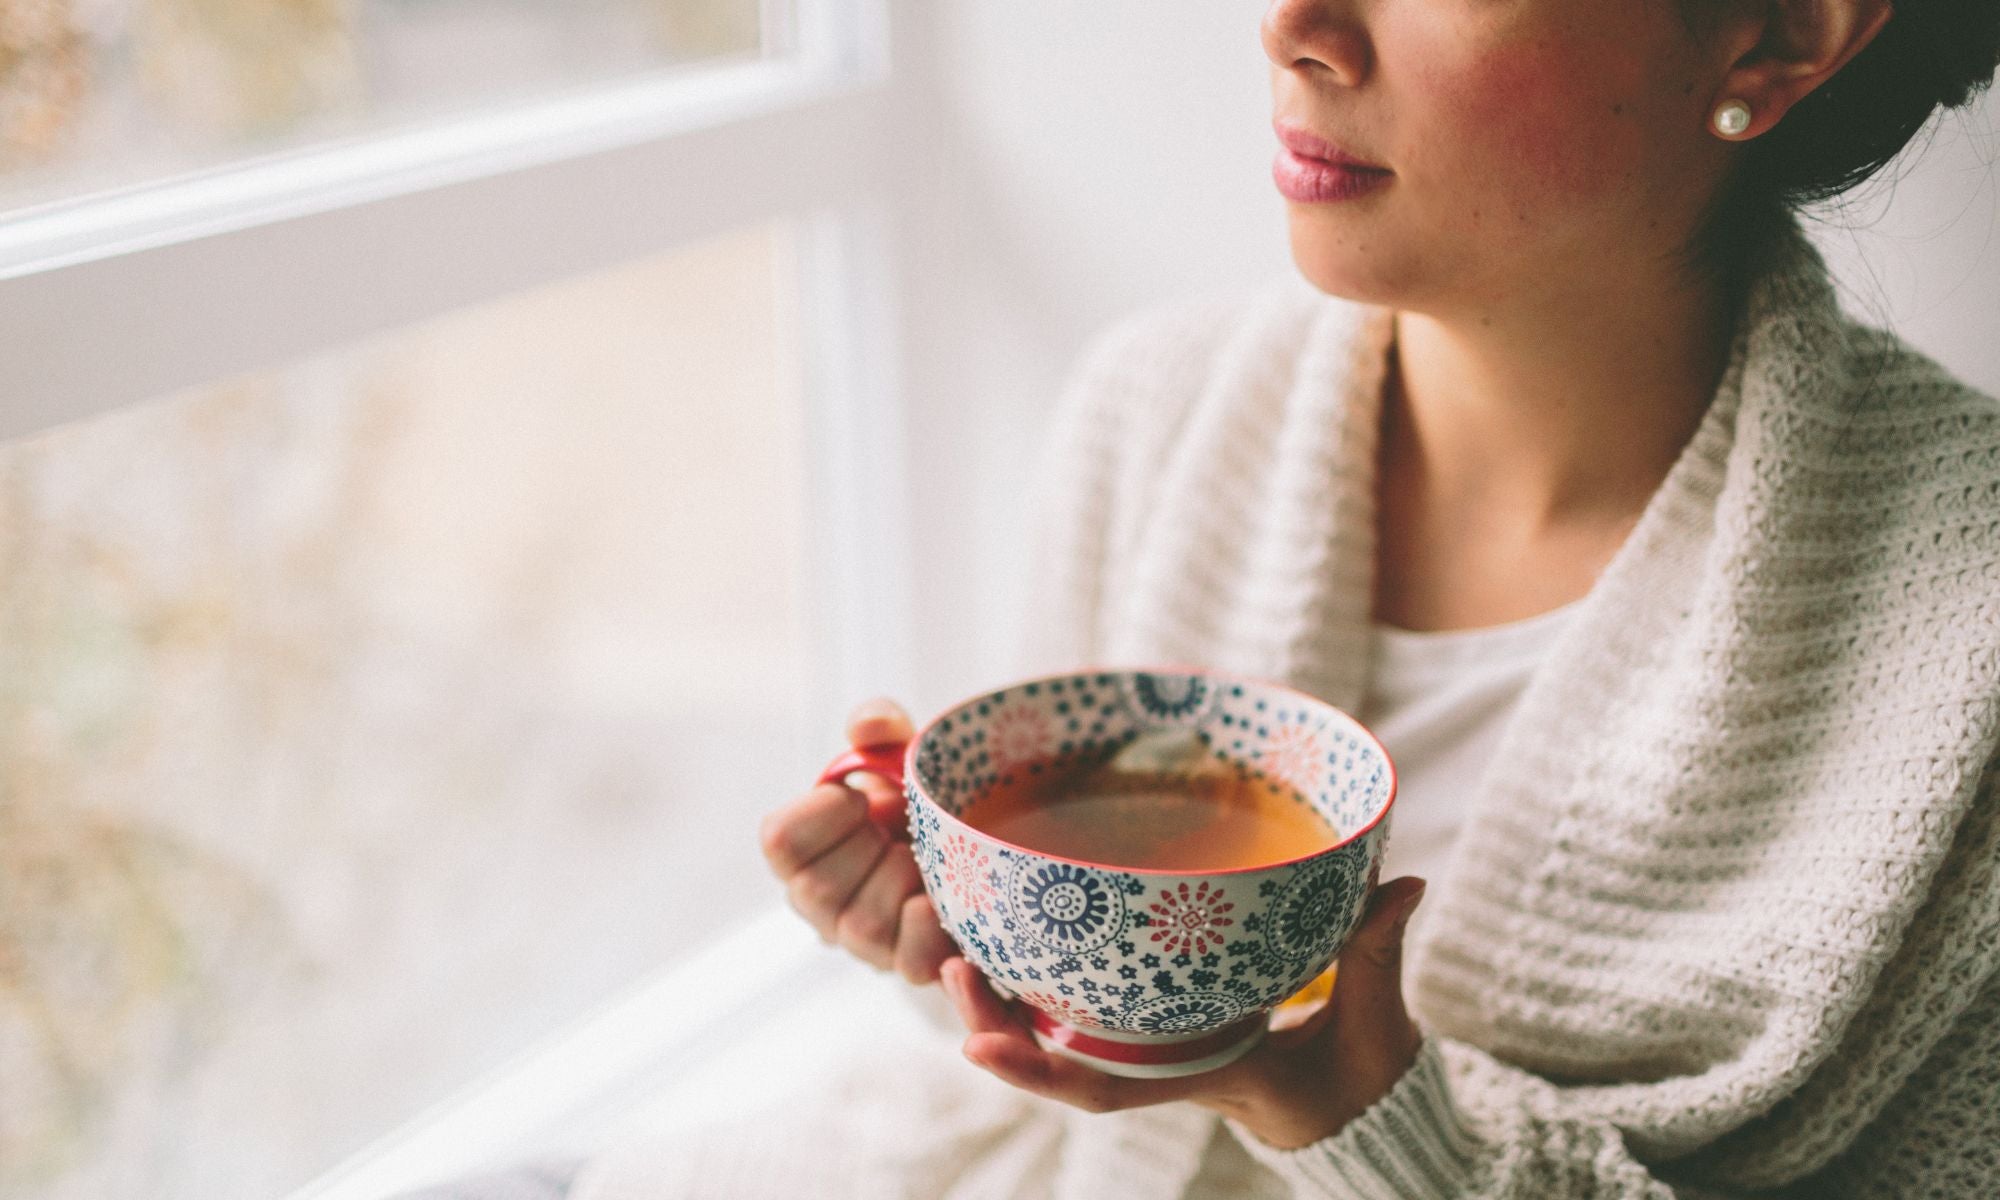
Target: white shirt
point(1438, 702)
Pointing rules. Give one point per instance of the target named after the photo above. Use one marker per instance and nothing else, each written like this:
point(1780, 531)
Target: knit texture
point(1732, 878)
point(1725, 914)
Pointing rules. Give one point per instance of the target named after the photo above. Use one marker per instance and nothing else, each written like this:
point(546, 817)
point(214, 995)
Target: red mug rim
point(914, 782)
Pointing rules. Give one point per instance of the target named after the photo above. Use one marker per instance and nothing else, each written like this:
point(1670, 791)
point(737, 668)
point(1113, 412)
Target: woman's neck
point(1553, 414)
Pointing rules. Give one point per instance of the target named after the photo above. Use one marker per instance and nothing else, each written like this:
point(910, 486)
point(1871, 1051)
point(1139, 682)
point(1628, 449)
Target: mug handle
point(884, 759)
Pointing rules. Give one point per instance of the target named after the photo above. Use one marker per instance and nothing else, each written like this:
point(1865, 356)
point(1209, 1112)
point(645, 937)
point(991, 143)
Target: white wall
point(1079, 161)
point(1917, 249)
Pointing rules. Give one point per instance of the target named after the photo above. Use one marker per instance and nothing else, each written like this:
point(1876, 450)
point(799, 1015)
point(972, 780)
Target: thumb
point(1366, 1035)
point(1371, 964)
point(878, 722)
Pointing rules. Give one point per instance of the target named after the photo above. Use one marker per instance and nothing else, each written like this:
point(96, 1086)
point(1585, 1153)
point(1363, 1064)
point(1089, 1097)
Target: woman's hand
point(1302, 1084)
point(847, 867)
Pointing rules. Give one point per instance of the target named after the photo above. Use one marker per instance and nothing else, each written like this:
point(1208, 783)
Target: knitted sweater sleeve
point(1461, 1124)
point(1485, 1135)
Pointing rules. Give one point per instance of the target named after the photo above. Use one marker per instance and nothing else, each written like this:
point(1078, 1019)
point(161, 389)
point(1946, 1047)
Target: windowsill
point(697, 1042)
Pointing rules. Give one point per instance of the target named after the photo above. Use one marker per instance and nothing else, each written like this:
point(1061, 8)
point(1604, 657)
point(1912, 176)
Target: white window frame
point(114, 299)
point(119, 298)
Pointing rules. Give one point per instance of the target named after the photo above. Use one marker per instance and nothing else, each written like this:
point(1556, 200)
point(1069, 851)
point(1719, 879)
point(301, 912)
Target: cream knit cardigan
point(1725, 916)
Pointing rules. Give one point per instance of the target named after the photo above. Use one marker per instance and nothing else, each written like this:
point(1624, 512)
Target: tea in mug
point(1151, 816)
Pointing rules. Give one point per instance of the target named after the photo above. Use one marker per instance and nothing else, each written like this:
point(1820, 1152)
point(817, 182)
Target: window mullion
point(91, 336)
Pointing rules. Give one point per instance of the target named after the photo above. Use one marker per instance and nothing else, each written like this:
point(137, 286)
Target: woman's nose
point(1317, 36)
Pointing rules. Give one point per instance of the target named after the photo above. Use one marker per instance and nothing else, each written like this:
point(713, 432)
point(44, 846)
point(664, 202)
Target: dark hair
point(1929, 54)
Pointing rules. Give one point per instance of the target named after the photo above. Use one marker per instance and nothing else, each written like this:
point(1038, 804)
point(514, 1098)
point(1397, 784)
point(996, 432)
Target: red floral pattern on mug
point(969, 874)
point(1089, 946)
point(1191, 919)
point(1019, 733)
point(1062, 1009)
point(1294, 755)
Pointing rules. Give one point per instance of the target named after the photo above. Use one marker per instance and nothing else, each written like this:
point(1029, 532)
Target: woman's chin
point(1342, 259)
point(1349, 281)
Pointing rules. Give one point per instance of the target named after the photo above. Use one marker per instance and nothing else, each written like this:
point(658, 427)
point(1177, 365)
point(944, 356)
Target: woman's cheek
point(1527, 139)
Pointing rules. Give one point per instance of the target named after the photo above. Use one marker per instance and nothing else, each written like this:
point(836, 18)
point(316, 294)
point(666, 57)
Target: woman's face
point(1533, 145)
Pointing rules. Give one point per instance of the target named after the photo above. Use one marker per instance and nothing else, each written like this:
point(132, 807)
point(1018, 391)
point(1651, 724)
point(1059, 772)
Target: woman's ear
point(1797, 46)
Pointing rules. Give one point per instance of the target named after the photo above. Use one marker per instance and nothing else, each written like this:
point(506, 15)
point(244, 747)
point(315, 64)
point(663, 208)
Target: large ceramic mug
point(1144, 973)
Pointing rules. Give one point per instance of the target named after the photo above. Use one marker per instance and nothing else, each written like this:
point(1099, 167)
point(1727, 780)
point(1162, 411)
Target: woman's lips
point(1311, 145)
point(1317, 181)
point(1312, 170)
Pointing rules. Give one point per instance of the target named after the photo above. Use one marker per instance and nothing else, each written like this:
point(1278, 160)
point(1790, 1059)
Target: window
point(99, 96)
point(428, 555)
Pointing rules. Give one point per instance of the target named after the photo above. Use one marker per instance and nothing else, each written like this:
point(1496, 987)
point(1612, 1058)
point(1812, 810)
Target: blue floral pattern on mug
point(1189, 1012)
point(1163, 699)
point(1316, 909)
point(1068, 908)
point(1147, 954)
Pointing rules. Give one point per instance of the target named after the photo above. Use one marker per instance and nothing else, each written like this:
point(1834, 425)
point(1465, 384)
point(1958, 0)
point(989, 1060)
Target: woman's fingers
point(868, 925)
point(822, 891)
point(1020, 1061)
point(793, 837)
point(979, 1007)
point(1001, 1043)
point(922, 945)
point(878, 722)
point(834, 854)
point(846, 867)
point(855, 889)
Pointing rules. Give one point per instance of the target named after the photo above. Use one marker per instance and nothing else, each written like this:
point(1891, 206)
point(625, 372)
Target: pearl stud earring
point(1732, 117)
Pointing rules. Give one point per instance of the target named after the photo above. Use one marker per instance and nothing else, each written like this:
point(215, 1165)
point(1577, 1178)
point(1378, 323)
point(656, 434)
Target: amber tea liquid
point(1151, 821)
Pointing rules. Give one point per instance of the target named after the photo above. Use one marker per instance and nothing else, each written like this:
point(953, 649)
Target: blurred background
point(463, 457)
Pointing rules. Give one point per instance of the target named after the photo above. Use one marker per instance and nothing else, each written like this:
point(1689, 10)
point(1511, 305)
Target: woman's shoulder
point(1902, 387)
point(1870, 471)
point(1144, 376)
point(1923, 440)
point(1846, 423)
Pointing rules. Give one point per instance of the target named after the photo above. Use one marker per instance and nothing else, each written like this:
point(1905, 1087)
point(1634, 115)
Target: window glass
point(97, 94)
point(366, 721)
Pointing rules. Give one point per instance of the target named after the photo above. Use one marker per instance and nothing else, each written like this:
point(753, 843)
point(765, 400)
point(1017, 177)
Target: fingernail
point(1410, 906)
point(876, 709)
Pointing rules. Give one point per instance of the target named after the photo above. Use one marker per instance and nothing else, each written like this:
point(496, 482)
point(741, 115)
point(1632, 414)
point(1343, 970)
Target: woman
point(1675, 592)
